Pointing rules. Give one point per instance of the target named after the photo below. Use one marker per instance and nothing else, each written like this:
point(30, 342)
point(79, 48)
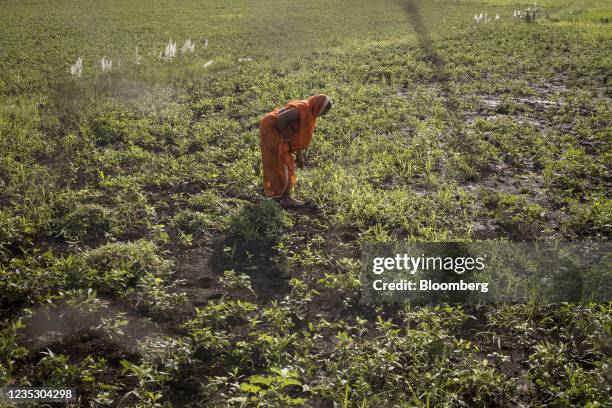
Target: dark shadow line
point(425, 42)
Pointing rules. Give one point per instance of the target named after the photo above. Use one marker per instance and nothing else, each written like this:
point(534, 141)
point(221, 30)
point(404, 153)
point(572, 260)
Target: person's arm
point(284, 118)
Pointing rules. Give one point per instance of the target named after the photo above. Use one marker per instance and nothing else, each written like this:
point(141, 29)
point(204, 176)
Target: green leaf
point(254, 389)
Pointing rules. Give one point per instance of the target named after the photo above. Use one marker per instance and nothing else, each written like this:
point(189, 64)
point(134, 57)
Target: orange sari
point(277, 162)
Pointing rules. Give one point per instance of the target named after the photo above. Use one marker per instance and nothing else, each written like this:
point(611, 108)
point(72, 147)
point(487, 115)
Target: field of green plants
point(141, 264)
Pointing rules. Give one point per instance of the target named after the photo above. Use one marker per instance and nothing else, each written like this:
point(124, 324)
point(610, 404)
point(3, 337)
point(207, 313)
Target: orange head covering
point(317, 103)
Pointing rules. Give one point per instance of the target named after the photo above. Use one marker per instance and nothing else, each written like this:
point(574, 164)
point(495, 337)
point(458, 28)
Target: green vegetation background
point(129, 199)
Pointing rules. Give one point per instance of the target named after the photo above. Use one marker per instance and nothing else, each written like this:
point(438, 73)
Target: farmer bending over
point(284, 134)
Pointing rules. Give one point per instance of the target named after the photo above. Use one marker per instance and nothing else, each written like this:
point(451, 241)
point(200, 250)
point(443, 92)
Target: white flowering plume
point(483, 17)
point(170, 51)
point(206, 43)
point(209, 63)
point(247, 59)
point(529, 14)
point(77, 67)
point(189, 46)
point(106, 64)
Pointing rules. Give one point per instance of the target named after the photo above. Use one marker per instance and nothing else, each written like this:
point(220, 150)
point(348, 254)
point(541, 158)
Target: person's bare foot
point(288, 201)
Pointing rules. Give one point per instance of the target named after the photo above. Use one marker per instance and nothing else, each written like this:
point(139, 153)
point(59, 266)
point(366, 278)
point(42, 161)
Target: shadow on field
point(250, 248)
point(431, 55)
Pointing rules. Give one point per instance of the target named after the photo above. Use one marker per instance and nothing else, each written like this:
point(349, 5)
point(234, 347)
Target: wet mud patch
point(504, 180)
point(86, 342)
point(522, 110)
point(195, 277)
point(501, 177)
point(68, 333)
point(57, 324)
point(545, 106)
point(512, 117)
point(341, 242)
point(77, 347)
